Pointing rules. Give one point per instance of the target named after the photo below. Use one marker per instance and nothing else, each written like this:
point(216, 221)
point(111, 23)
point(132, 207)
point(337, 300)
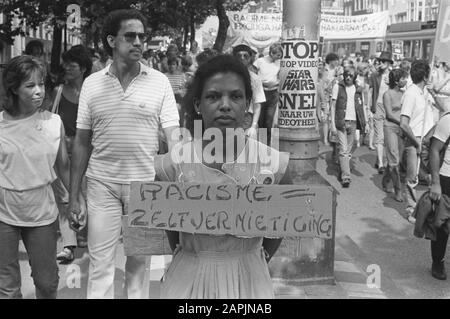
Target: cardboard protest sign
point(298, 84)
point(219, 209)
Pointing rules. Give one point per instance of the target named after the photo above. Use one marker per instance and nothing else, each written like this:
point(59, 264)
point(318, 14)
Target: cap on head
point(386, 57)
point(242, 47)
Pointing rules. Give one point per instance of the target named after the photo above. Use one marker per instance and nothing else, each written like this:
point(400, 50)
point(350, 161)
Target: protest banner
point(442, 42)
point(298, 81)
point(258, 30)
point(354, 27)
point(290, 211)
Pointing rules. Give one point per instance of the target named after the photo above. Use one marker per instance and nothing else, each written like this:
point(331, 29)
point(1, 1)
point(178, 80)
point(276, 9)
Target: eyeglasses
point(349, 75)
point(131, 36)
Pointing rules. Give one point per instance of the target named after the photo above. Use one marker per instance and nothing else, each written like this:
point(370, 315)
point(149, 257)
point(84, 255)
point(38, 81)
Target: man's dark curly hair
point(113, 21)
point(420, 70)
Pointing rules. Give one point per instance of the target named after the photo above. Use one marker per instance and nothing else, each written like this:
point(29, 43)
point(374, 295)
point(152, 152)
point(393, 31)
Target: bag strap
point(55, 107)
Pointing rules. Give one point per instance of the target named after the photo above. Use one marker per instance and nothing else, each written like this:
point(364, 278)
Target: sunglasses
point(131, 36)
point(349, 75)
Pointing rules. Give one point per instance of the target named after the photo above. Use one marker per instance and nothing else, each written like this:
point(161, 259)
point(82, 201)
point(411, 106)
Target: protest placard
point(275, 211)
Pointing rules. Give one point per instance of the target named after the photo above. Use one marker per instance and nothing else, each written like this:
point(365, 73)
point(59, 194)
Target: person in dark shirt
point(77, 65)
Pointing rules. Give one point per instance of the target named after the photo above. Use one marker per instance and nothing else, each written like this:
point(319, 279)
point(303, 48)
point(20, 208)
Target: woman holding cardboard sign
point(222, 266)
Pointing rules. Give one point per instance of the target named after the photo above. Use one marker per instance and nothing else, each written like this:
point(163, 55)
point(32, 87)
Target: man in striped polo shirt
point(120, 110)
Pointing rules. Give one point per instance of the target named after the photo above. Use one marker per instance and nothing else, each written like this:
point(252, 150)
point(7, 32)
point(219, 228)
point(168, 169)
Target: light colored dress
point(220, 267)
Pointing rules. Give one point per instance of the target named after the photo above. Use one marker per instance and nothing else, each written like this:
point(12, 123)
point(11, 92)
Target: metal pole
point(297, 121)
point(313, 259)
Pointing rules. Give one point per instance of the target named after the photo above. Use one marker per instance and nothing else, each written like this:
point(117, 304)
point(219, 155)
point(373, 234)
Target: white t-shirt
point(268, 72)
point(258, 91)
point(442, 133)
point(330, 73)
point(350, 113)
point(415, 106)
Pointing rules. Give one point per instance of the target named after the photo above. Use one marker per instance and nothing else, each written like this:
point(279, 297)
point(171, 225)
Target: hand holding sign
point(240, 210)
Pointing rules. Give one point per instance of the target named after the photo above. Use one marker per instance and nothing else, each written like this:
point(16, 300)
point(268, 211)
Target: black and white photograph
point(234, 152)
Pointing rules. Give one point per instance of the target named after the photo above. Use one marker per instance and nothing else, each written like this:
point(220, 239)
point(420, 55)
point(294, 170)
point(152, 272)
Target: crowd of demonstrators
point(117, 108)
point(221, 266)
point(33, 155)
point(395, 95)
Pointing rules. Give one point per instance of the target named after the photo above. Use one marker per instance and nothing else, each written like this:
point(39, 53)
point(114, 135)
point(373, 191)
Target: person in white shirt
point(378, 86)
point(244, 53)
point(120, 111)
point(33, 154)
point(416, 120)
point(440, 186)
point(269, 69)
point(347, 115)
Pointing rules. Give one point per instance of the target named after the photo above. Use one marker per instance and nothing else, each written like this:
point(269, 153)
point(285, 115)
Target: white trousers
point(107, 203)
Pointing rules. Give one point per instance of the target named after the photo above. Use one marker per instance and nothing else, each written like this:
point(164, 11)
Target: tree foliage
point(166, 17)
point(186, 15)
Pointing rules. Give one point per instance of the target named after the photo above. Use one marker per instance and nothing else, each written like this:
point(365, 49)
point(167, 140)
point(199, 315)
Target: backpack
point(426, 147)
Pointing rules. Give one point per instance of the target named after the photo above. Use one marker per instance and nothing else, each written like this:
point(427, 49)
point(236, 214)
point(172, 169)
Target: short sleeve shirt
point(268, 73)
point(258, 91)
point(125, 125)
point(442, 133)
point(416, 107)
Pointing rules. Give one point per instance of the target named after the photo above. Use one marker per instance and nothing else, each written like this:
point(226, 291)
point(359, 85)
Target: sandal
point(66, 256)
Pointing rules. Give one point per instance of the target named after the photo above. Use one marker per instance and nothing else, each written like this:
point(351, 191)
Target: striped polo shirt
point(177, 81)
point(125, 125)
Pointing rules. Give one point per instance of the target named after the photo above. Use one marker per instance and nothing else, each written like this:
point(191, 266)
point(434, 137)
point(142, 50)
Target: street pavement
point(371, 234)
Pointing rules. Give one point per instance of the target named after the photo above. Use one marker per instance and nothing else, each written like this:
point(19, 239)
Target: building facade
point(43, 33)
